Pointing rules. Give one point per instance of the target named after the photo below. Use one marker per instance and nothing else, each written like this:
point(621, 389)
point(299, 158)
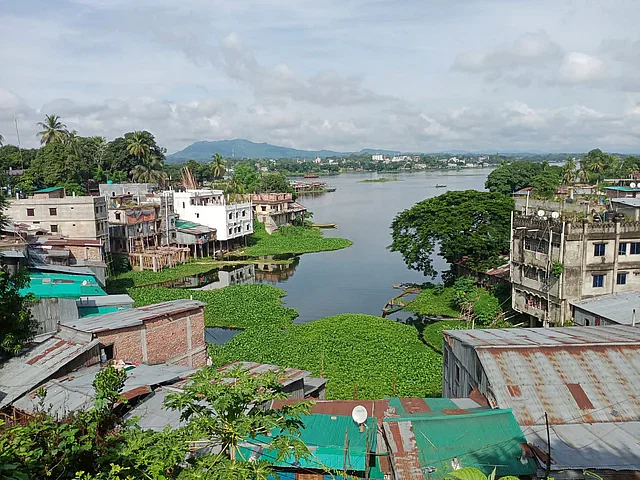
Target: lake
point(358, 279)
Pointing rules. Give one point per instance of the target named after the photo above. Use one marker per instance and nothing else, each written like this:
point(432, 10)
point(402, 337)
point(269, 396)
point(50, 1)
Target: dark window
point(230, 216)
point(621, 279)
point(31, 212)
point(230, 231)
point(53, 211)
point(197, 215)
point(622, 249)
point(598, 321)
point(598, 281)
point(244, 213)
point(247, 227)
point(264, 208)
point(536, 245)
point(117, 215)
point(182, 204)
point(457, 374)
point(108, 352)
point(54, 228)
point(598, 249)
point(635, 248)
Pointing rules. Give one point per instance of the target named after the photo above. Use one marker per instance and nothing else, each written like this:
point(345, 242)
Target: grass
point(432, 334)
point(379, 180)
point(433, 301)
point(291, 240)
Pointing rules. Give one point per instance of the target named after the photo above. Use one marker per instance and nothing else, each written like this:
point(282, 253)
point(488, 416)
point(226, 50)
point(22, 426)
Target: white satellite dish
point(359, 414)
point(85, 283)
point(555, 215)
point(632, 185)
point(541, 213)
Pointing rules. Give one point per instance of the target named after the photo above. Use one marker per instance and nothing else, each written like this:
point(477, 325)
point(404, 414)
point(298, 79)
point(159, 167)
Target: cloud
point(580, 67)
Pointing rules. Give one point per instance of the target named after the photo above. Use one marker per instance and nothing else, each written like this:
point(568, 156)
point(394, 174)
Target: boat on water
point(325, 225)
point(311, 175)
point(331, 189)
point(440, 185)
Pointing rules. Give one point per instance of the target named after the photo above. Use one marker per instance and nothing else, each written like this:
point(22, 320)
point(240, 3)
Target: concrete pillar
point(616, 247)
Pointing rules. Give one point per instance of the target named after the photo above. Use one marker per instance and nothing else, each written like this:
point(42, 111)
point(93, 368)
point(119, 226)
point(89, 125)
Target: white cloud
point(578, 67)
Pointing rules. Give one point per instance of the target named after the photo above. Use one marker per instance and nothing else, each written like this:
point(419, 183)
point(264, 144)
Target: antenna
point(541, 213)
point(359, 415)
point(554, 215)
point(15, 120)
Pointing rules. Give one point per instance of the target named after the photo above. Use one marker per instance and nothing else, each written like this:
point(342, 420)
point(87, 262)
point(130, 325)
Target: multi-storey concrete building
point(66, 216)
point(555, 261)
point(232, 218)
point(276, 209)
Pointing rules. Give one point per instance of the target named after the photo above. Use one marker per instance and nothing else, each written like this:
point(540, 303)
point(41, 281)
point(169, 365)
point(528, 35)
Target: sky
point(423, 75)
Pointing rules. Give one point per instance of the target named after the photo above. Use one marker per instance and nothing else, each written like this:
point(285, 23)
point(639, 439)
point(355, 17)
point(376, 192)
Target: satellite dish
point(541, 213)
point(85, 283)
point(632, 185)
point(554, 215)
point(359, 414)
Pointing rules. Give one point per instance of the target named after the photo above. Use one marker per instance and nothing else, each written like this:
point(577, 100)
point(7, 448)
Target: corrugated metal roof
point(23, 373)
point(48, 190)
point(133, 316)
point(152, 415)
point(631, 202)
point(59, 285)
point(76, 392)
point(559, 336)
point(103, 301)
point(481, 438)
point(571, 384)
point(254, 369)
point(617, 307)
point(602, 446)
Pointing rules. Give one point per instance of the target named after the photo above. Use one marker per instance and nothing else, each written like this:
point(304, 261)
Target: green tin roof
point(623, 189)
point(326, 436)
point(48, 190)
point(482, 438)
point(186, 224)
point(59, 285)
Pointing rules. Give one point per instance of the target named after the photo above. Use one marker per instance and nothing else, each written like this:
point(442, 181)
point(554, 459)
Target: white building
point(377, 157)
point(232, 220)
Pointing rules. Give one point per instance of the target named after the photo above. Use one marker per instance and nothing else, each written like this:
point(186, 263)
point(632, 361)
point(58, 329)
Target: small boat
point(325, 225)
point(331, 189)
point(311, 175)
point(440, 185)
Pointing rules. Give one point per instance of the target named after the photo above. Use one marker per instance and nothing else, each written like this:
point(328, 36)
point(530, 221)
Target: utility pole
point(548, 466)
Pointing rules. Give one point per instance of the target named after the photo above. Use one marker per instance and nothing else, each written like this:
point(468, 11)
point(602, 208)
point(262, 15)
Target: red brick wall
point(166, 340)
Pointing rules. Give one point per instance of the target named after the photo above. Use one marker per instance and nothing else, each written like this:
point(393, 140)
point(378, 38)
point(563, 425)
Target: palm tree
point(137, 145)
point(1, 140)
point(569, 172)
point(217, 166)
point(53, 130)
point(149, 171)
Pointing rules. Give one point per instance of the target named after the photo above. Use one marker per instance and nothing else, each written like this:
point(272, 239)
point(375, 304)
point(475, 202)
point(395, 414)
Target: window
point(598, 281)
point(117, 215)
point(54, 228)
point(598, 249)
point(230, 216)
point(236, 214)
point(622, 249)
point(197, 215)
point(457, 374)
point(183, 205)
point(230, 231)
point(621, 279)
point(536, 245)
point(31, 212)
point(53, 211)
point(247, 227)
point(244, 213)
point(264, 208)
point(635, 248)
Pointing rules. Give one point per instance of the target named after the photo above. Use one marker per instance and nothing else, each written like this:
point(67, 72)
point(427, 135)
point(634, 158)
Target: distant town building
point(231, 216)
point(377, 157)
point(74, 217)
point(584, 380)
point(555, 261)
point(276, 209)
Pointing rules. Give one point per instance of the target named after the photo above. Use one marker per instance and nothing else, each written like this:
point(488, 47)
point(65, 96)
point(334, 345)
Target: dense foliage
point(434, 301)
point(291, 240)
point(465, 225)
point(17, 326)
point(432, 333)
point(363, 356)
point(542, 177)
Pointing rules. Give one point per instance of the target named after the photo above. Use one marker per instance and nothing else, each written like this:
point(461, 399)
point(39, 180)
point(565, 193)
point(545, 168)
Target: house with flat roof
point(585, 381)
point(168, 332)
point(277, 209)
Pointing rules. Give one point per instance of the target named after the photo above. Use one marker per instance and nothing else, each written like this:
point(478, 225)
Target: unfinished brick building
point(168, 332)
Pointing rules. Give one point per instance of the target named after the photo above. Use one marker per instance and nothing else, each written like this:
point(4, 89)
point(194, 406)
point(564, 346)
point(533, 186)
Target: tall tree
point(274, 182)
point(509, 177)
point(17, 326)
point(246, 177)
point(1, 140)
point(149, 171)
point(569, 173)
point(138, 146)
point(217, 166)
point(596, 165)
point(53, 130)
point(462, 224)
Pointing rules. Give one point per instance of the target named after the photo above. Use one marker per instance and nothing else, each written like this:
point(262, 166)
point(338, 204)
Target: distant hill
point(240, 148)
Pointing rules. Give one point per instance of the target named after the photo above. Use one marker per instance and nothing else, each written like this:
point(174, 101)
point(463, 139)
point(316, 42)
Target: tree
point(57, 164)
point(509, 177)
point(17, 326)
point(137, 145)
point(246, 177)
point(149, 171)
point(547, 180)
point(274, 182)
point(569, 173)
point(53, 130)
point(463, 224)
point(629, 166)
point(116, 156)
point(217, 166)
point(596, 165)
point(226, 413)
point(1, 140)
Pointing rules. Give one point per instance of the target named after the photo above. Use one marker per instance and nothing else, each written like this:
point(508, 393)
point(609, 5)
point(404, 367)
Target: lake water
point(358, 279)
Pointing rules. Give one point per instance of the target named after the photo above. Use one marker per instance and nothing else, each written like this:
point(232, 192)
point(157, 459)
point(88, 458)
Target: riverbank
point(290, 240)
point(361, 355)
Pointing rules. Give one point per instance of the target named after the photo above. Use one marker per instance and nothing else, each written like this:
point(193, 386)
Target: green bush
point(291, 240)
point(434, 301)
point(432, 334)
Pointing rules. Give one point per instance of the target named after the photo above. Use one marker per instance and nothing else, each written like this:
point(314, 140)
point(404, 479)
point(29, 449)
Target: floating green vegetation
point(147, 277)
point(363, 356)
point(291, 240)
point(434, 301)
point(379, 180)
point(433, 332)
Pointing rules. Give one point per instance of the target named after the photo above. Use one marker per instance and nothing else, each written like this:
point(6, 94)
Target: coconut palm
point(149, 171)
point(217, 166)
point(138, 146)
point(53, 130)
point(1, 140)
point(569, 173)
